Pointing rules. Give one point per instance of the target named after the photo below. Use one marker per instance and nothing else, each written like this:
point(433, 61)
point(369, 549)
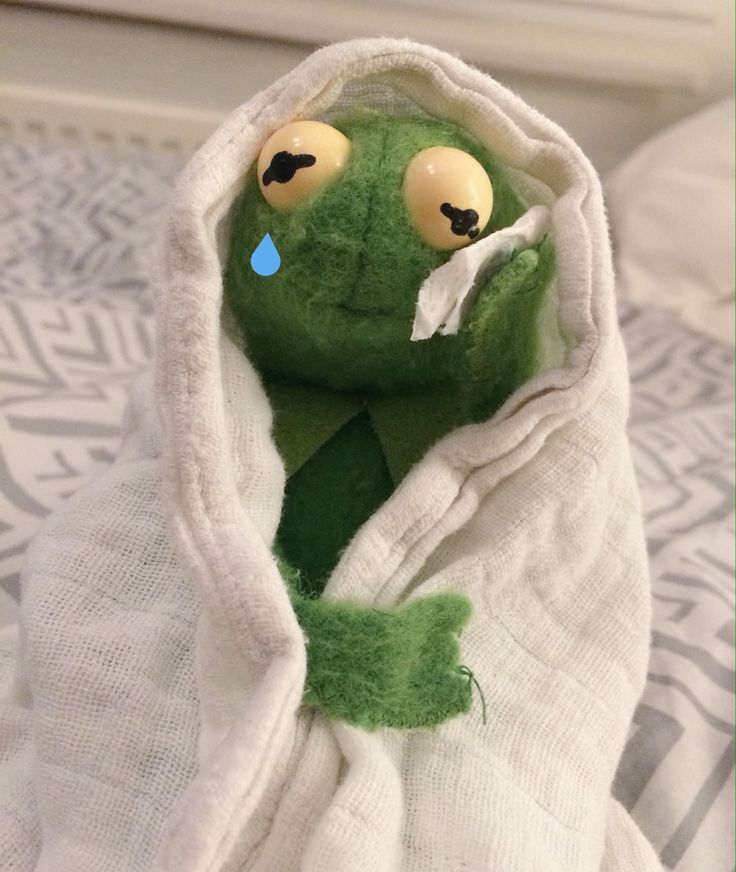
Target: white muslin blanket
point(152, 717)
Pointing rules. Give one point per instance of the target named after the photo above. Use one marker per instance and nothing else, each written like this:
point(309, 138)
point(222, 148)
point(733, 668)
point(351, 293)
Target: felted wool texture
point(501, 336)
point(306, 417)
point(339, 310)
point(329, 498)
point(391, 667)
point(344, 458)
point(412, 676)
point(534, 515)
point(398, 668)
point(501, 351)
point(409, 422)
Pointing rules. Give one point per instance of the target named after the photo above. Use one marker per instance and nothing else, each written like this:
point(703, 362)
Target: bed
point(79, 229)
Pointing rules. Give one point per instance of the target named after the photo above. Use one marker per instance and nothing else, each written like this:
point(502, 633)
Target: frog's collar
point(407, 423)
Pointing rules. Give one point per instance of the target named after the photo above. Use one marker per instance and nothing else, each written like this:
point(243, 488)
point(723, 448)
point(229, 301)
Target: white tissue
point(446, 294)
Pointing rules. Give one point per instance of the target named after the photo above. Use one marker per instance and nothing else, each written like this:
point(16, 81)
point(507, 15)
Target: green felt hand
point(380, 667)
point(510, 298)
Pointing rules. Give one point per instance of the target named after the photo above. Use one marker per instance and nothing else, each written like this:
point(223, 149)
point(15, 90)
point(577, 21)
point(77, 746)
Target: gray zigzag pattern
point(682, 438)
point(77, 235)
point(81, 226)
point(65, 371)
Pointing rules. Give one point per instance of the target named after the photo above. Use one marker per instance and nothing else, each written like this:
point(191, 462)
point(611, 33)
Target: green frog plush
point(365, 213)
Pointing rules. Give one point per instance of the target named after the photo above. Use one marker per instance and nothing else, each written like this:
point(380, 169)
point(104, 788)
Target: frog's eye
point(449, 196)
point(299, 159)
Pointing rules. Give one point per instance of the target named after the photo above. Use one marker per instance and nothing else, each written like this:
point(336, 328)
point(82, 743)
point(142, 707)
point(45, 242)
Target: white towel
point(154, 720)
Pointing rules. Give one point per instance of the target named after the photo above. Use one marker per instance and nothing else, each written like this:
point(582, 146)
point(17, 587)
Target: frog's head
point(353, 215)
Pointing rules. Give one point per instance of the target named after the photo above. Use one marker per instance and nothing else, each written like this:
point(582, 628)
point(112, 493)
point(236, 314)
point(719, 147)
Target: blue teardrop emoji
point(266, 259)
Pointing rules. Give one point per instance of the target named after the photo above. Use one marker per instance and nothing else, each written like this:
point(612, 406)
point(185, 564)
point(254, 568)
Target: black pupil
point(284, 165)
point(463, 222)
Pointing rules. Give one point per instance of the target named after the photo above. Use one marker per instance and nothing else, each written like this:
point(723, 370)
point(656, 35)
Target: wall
point(115, 79)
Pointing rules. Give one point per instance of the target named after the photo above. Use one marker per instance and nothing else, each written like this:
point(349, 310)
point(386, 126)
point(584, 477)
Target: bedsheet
point(78, 231)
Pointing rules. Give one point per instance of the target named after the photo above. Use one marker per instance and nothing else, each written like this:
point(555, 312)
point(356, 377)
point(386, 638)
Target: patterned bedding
point(77, 234)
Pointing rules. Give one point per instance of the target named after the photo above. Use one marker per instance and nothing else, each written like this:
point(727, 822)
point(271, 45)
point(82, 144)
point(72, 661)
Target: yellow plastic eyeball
point(449, 196)
point(299, 159)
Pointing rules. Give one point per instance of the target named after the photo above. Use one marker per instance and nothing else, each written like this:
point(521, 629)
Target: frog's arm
point(500, 334)
point(384, 667)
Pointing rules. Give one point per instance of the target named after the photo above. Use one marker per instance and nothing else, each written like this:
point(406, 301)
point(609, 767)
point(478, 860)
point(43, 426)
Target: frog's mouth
point(447, 294)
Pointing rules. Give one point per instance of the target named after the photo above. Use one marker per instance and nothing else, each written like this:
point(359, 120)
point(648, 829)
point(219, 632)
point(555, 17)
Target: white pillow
point(671, 206)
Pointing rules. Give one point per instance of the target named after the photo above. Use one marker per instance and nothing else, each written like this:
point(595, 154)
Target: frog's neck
point(344, 456)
